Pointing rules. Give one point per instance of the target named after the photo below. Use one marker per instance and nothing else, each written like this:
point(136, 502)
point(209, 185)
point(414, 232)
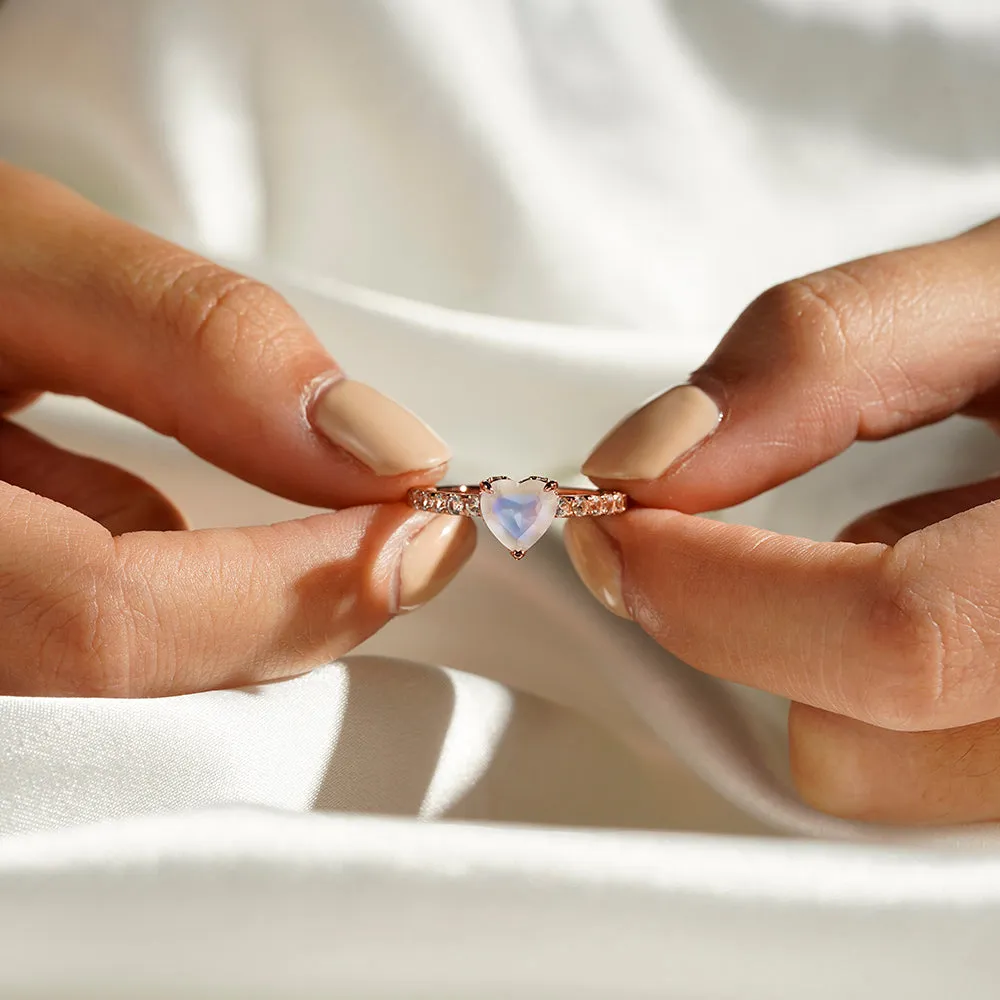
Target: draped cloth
point(509, 792)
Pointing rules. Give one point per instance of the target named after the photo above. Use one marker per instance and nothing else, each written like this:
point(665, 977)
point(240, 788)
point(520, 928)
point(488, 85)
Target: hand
point(99, 593)
point(887, 641)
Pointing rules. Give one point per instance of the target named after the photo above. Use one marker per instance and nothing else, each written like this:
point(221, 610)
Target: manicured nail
point(596, 559)
point(645, 444)
point(432, 557)
point(376, 430)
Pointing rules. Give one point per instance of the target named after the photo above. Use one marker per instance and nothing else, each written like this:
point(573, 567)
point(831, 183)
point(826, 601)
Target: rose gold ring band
point(463, 501)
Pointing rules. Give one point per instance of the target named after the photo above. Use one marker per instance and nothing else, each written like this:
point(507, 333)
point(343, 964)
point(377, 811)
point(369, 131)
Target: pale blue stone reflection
point(518, 514)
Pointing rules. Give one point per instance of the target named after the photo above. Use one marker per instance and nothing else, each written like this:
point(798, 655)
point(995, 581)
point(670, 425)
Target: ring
point(517, 513)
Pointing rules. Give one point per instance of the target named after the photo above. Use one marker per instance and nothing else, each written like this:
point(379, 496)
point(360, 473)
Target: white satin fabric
point(566, 199)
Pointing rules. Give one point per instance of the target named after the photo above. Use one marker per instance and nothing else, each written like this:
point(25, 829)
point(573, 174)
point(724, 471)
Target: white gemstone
point(518, 514)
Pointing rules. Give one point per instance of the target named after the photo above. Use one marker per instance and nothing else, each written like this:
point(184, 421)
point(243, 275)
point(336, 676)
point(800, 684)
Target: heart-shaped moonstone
point(518, 514)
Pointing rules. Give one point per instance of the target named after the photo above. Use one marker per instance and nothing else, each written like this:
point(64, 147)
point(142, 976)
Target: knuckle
point(219, 314)
point(819, 321)
point(911, 643)
point(68, 627)
point(840, 327)
point(224, 329)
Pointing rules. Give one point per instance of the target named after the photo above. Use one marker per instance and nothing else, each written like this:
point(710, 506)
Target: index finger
point(862, 351)
point(90, 305)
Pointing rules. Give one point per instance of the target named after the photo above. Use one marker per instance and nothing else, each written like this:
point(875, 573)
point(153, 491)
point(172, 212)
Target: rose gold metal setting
point(463, 501)
point(485, 486)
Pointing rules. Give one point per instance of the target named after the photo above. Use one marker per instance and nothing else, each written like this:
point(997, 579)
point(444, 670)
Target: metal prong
point(517, 554)
point(550, 484)
point(486, 484)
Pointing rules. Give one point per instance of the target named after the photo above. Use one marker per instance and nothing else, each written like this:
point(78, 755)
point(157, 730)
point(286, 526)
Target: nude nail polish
point(597, 561)
point(646, 443)
point(376, 430)
point(432, 557)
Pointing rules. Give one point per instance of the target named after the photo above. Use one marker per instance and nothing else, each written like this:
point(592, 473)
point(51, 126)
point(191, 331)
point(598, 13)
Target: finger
point(90, 305)
point(166, 613)
point(108, 495)
point(905, 637)
point(891, 523)
point(861, 351)
point(858, 771)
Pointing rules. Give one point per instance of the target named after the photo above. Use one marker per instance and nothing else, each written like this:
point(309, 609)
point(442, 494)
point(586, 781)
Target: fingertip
point(116, 499)
point(431, 559)
point(597, 560)
point(828, 762)
point(647, 444)
point(857, 771)
point(379, 433)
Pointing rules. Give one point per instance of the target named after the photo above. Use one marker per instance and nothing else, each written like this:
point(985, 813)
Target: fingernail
point(376, 430)
point(432, 557)
point(598, 563)
point(645, 444)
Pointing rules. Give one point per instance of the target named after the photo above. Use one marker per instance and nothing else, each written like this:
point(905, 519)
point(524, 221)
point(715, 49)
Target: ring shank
point(463, 500)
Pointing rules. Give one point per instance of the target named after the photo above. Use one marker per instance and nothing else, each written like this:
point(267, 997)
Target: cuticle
point(716, 390)
point(315, 389)
point(620, 560)
point(420, 520)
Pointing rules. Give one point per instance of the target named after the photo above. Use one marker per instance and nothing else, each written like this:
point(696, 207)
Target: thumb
point(160, 613)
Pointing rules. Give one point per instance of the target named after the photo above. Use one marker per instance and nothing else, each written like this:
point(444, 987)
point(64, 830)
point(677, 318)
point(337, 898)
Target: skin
point(101, 593)
point(887, 640)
